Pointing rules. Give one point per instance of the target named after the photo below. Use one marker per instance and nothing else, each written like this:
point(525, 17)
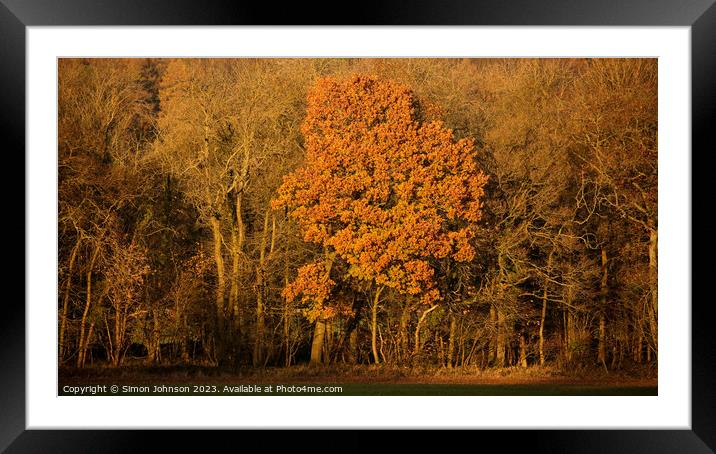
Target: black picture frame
point(700, 15)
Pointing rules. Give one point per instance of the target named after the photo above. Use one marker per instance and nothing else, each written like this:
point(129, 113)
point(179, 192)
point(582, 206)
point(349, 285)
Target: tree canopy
point(382, 189)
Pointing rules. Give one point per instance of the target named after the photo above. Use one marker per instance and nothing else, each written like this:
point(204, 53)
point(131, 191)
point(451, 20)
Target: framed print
point(453, 216)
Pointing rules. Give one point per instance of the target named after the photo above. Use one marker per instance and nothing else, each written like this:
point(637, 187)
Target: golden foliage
point(384, 190)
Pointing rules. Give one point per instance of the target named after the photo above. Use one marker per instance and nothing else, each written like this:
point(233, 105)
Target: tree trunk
point(88, 339)
point(258, 356)
point(501, 347)
point(403, 333)
point(287, 332)
point(286, 302)
point(463, 350)
point(492, 351)
point(156, 338)
point(83, 322)
point(320, 324)
point(66, 299)
point(417, 328)
point(523, 351)
point(238, 234)
point(543, 318)
point(451, 341)
point(184, 339)
point(328, 345)
point(615, 356)
point(353, 343)
point(374, 325)
point(234, 285)
point(638, 346)
point(438, 342)
point(117, 344)
point(568, 328)
point(319, 332)
point(88, 303)
point(602, 349)
point(220, 287)
point(239, 238)
point(654, 289)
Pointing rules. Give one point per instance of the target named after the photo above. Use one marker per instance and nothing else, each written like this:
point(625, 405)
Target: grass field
point(354, 380)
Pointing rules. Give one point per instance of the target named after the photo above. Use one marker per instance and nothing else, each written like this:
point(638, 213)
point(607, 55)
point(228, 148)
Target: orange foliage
point(384, 190)
point(313, 284)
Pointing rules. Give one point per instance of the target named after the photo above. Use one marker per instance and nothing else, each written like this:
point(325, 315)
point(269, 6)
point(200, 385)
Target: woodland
point(246, 214)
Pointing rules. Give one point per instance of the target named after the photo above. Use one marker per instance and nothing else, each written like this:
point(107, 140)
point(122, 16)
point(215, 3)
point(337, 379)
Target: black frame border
point(700, 15)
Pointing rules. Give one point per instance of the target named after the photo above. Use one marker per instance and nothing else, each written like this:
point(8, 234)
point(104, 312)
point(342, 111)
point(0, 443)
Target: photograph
point(462, 218)
point(357, 226)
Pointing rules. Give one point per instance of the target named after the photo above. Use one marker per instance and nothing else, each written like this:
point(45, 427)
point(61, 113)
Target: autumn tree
point(103, 117)
point(126, 269)
point(381, 190)
point(615, 136)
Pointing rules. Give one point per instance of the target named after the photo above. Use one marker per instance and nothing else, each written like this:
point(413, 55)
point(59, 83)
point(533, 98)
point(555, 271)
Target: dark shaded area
point(703, 42)
point(393, 12)
point(12, 323)
point(553, 442)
